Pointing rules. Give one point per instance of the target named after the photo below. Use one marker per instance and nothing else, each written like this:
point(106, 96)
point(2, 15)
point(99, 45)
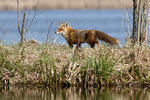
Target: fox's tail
point(106, 38)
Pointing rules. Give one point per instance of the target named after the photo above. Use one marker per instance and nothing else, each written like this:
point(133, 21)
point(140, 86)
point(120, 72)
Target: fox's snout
point(57, 32)
point(60, 32)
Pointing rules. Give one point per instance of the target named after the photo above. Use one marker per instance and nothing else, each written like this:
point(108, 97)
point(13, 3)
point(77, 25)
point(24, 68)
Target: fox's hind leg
point(97, 42)
point(92, 45)
point(78, 45)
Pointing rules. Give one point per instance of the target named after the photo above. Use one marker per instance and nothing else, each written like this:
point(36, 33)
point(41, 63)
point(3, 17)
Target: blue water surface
point(112, 22)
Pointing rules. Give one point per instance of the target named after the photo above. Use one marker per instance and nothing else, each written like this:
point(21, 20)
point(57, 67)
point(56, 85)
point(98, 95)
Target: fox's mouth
point(60, 33)
point(56, 33)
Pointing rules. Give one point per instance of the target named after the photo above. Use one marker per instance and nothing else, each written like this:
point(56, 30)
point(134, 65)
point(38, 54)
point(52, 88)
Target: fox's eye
point(59, 29)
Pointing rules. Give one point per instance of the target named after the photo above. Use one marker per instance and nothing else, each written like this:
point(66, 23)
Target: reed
point(58, 65)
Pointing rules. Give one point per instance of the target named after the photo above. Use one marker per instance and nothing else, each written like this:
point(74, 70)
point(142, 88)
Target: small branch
point(23, 22)
point(22, 30)
point(18, 4)
point(139, 21)
point(134, 19)
point(33, 18)
point(143, 23)
point(49, 36)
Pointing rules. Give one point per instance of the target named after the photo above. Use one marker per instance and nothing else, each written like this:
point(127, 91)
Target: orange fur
point(78, 37)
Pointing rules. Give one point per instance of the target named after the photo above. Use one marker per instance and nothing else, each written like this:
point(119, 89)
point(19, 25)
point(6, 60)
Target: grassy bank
point(58, 65)
point(66, 4)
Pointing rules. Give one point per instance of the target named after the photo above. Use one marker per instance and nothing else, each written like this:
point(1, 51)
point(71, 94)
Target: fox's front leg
point(70, 44)
point(78, 45)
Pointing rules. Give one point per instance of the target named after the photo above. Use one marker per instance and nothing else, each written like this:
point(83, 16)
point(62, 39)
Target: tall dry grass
point(58, 65)
point(66, 4)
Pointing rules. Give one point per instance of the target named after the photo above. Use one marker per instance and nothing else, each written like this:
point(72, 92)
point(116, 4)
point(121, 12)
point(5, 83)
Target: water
point(32, 93)
point(111, 22)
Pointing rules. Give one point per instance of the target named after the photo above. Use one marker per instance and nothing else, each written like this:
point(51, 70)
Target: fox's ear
point(66, 23)
point(60, 22)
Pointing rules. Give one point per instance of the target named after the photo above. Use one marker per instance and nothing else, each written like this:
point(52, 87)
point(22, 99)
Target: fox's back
point(76, 36)
point(82, 35)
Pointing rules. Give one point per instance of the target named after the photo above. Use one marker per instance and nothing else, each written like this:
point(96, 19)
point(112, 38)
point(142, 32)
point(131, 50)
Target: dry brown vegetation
point(58, 65)
point(66, 4)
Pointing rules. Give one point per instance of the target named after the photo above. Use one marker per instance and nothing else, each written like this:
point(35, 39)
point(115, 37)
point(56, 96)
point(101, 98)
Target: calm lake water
point(112, 22)
point(22, 93)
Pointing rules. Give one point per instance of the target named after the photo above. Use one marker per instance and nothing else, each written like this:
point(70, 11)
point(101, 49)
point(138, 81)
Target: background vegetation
point(66, 4)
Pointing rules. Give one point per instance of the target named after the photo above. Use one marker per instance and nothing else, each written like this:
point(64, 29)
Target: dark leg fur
point(78, 46)
point(92, 45)
point(71, 45)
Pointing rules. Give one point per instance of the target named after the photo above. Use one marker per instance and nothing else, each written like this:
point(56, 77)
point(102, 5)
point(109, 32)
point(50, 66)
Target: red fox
point(78, 37)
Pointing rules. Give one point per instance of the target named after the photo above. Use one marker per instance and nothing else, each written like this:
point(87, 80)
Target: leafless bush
point(140, 22)
point(25, 22)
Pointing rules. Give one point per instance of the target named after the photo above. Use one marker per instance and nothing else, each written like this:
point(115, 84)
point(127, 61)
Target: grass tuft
point(57, 65)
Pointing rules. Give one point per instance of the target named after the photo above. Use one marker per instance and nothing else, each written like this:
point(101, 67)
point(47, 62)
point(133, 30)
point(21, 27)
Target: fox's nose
point(55, 32)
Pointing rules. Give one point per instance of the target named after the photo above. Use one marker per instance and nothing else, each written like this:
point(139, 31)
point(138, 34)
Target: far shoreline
point(64, 9)
point(65, 4)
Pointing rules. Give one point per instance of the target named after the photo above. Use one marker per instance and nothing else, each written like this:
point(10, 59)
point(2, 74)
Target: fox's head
point(62, 28)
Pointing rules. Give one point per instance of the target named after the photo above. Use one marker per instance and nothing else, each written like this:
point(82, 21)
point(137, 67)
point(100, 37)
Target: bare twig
point(18, 4)
point(139, 21)
point(49, 37)
point(144, 22)
point(4, 32)
point(134, 20)
point(34, 16)
point(24, 29)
